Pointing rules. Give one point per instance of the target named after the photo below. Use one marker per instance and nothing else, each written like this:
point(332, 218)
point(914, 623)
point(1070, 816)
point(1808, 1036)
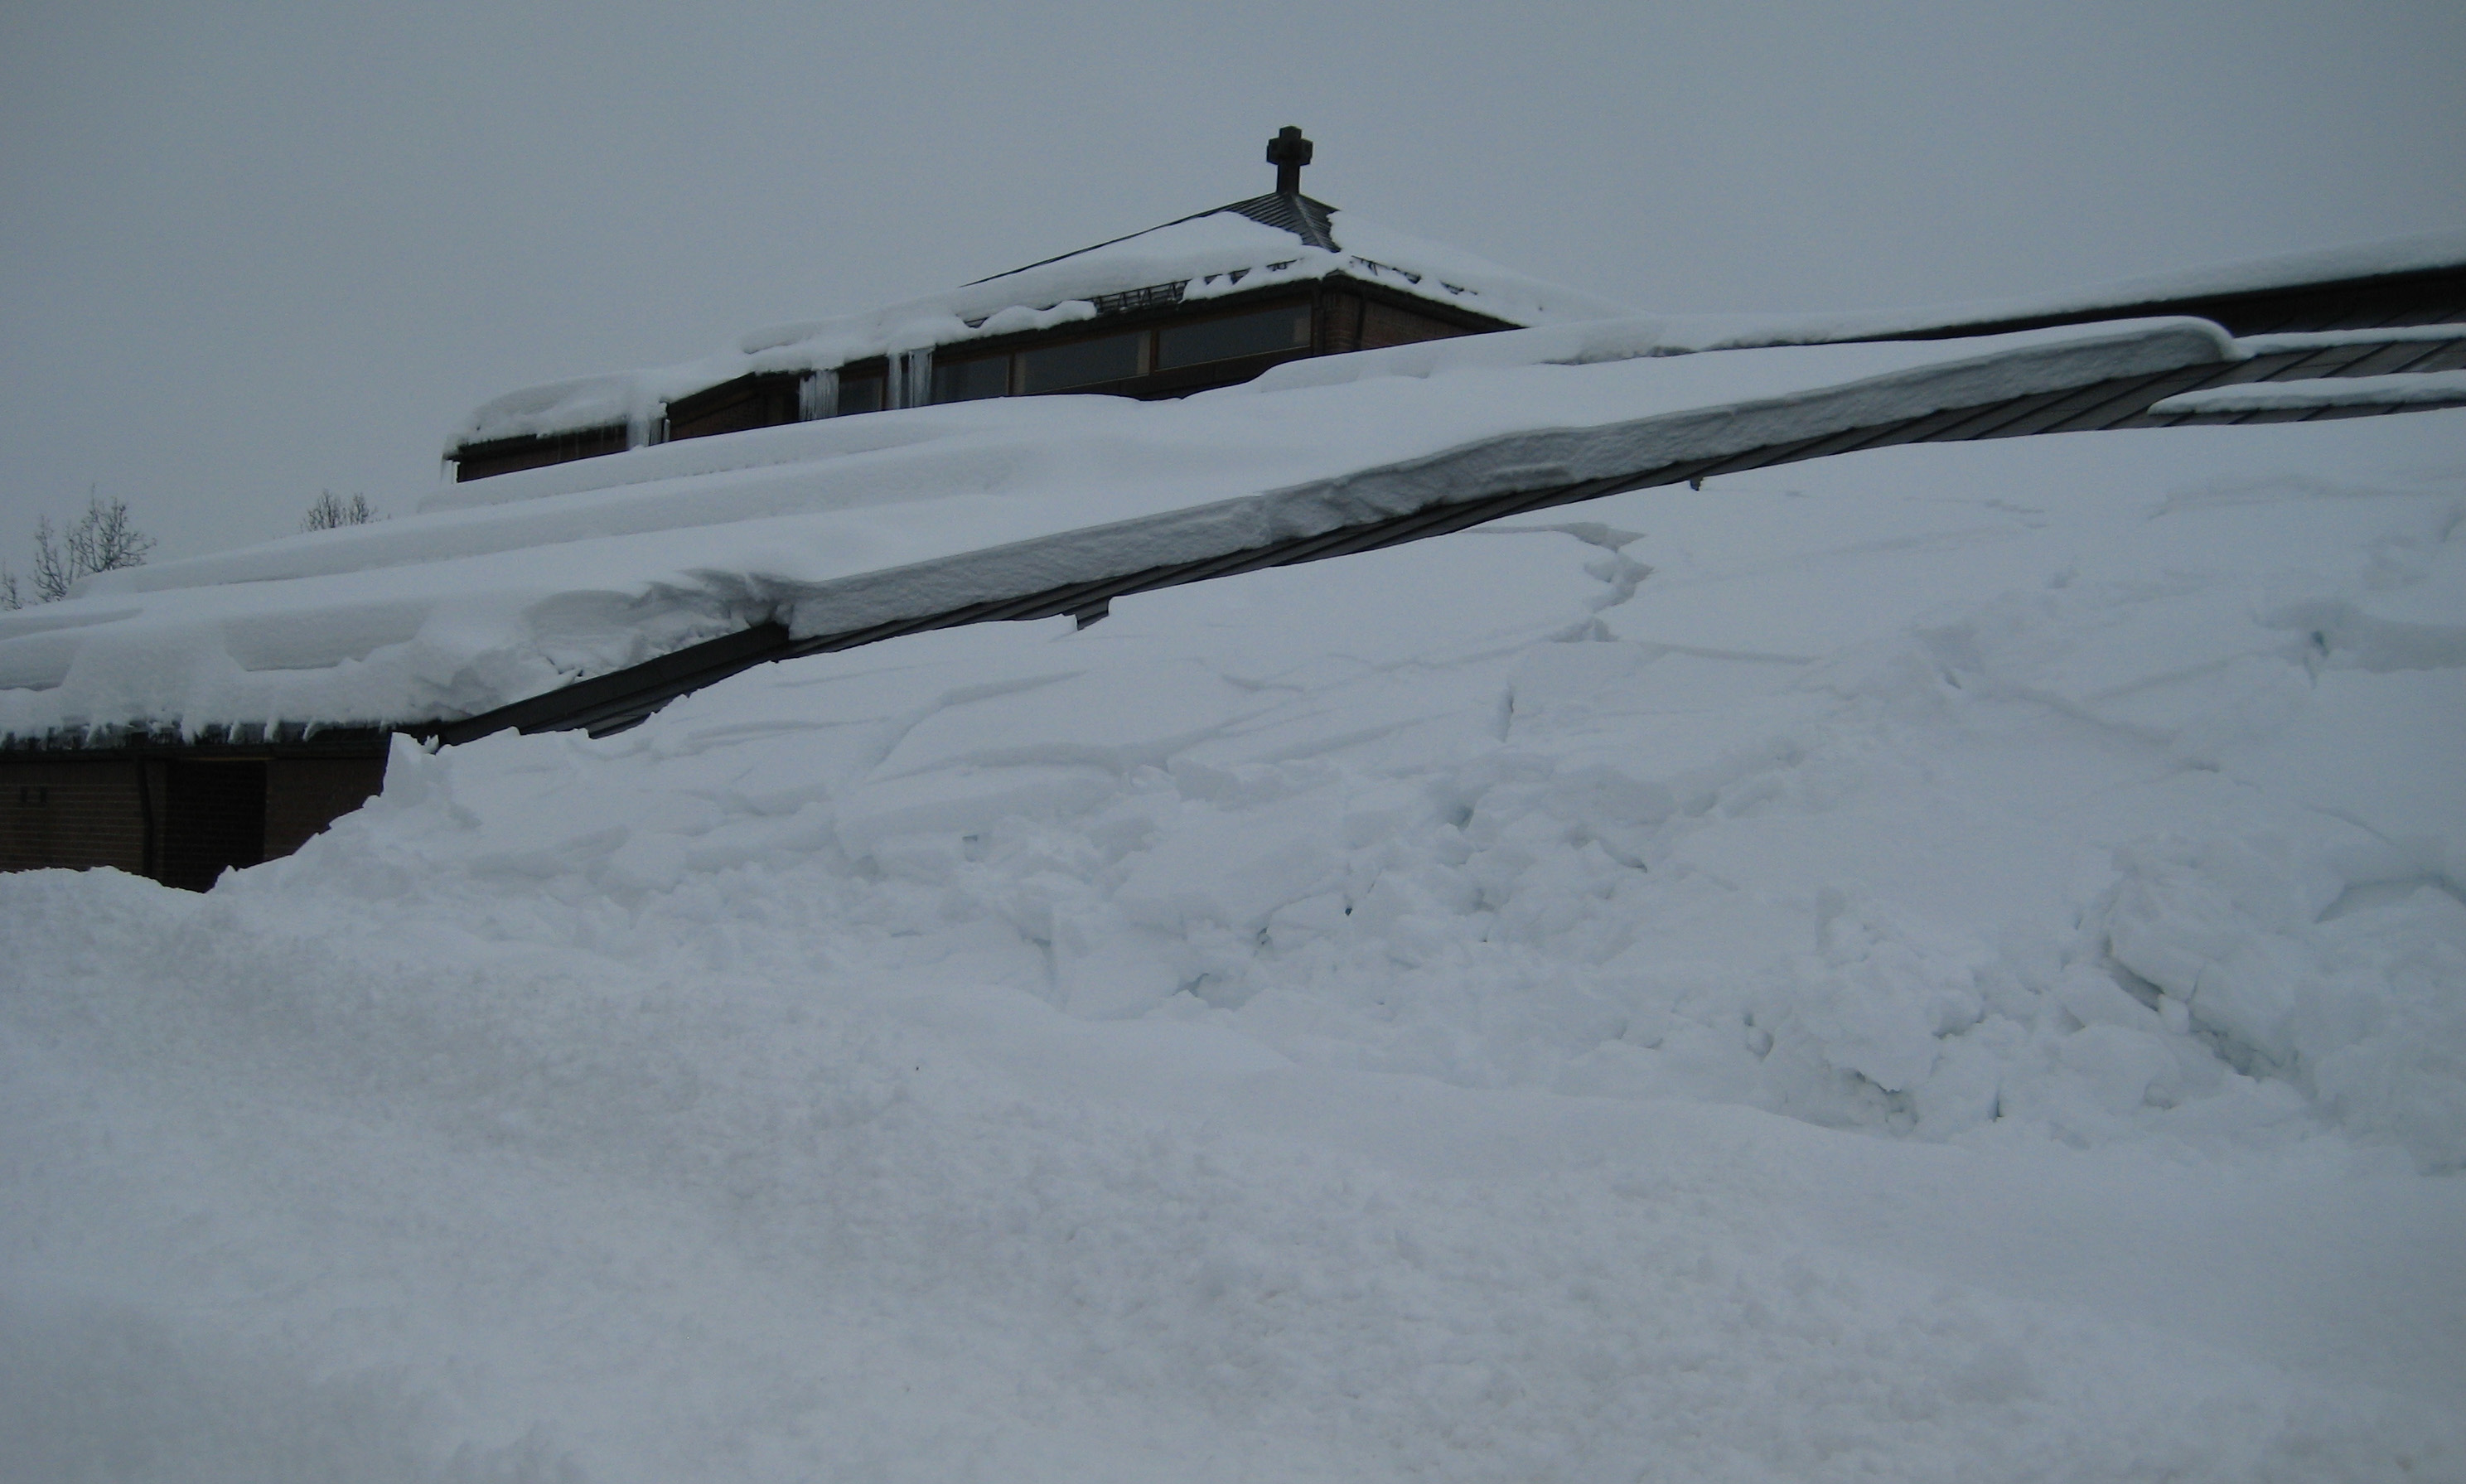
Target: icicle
point(818, 395)
point(646, 417)
point(911, 378)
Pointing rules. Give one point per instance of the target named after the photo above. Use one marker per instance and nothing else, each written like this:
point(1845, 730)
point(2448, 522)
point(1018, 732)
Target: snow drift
point(1939, 964)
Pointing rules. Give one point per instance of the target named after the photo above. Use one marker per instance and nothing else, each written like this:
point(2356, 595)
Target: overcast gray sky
point(250, 252)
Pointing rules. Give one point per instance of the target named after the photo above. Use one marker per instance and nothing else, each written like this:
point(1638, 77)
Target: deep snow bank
point(1329, 1024)
point(1979, 779)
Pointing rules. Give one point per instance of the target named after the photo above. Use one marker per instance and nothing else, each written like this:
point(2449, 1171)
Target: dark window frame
point(537, 451)
point(740, 404)
point(1310, 308)
point(874, 372)
point(1339, 306)
point(1149, 380)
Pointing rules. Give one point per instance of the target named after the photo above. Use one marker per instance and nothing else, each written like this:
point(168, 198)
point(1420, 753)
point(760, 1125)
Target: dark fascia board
point(2427, 296)
point(670, 675)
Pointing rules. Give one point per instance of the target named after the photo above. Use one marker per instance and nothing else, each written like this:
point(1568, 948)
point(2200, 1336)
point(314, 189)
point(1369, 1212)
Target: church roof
point(1240, 247)
point(587, 593)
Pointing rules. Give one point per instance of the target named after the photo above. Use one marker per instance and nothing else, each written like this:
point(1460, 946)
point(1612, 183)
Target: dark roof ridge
point(1304, 216)
point(1307, 220)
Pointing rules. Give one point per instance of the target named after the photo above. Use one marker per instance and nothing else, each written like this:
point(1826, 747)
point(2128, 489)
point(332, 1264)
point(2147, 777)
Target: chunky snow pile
point(1944, 964)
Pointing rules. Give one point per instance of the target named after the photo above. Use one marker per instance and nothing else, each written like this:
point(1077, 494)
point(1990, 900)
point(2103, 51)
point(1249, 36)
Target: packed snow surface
point(508, 586)
point(1943, 964)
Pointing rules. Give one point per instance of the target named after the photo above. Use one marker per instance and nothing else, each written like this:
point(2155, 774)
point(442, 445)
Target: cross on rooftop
point(1289, 152)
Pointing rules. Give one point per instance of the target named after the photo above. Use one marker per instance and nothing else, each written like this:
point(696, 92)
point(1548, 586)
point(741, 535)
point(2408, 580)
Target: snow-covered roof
point(1238, 248)
point(591, 567)
point(510, 587)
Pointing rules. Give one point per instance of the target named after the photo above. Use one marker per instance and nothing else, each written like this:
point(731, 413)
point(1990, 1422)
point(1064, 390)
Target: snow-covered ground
point(1946, 963)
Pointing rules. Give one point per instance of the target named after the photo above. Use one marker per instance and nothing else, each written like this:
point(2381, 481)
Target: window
point(761, 399)
point(1109, 360)
point(506, 454)
point(966, 381)
point(859, 394)
point(1257, 333)
point(1081, 363)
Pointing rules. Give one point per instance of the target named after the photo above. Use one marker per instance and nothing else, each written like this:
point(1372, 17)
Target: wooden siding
point(73, 812)
point(1361, 317)
point(180, 815)
point(1384, 325)
point(304, 795)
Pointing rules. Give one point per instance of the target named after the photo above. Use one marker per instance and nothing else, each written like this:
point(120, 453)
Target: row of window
point(864, 386)
point(762, 400)
point(1119, 357)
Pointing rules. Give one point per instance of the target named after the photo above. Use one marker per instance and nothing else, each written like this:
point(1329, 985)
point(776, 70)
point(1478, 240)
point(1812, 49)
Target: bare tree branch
point(332, 511)
point(52, 570)
point(104, 539)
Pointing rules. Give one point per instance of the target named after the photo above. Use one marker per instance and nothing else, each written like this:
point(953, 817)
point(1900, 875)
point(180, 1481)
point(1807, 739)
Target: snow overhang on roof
point(582, 594)
point(1240, 248)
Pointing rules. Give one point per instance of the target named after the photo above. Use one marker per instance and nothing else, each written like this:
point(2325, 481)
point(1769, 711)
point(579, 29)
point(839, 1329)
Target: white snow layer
point(1943, 964)
point(1210, 254)
point(512, 586)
